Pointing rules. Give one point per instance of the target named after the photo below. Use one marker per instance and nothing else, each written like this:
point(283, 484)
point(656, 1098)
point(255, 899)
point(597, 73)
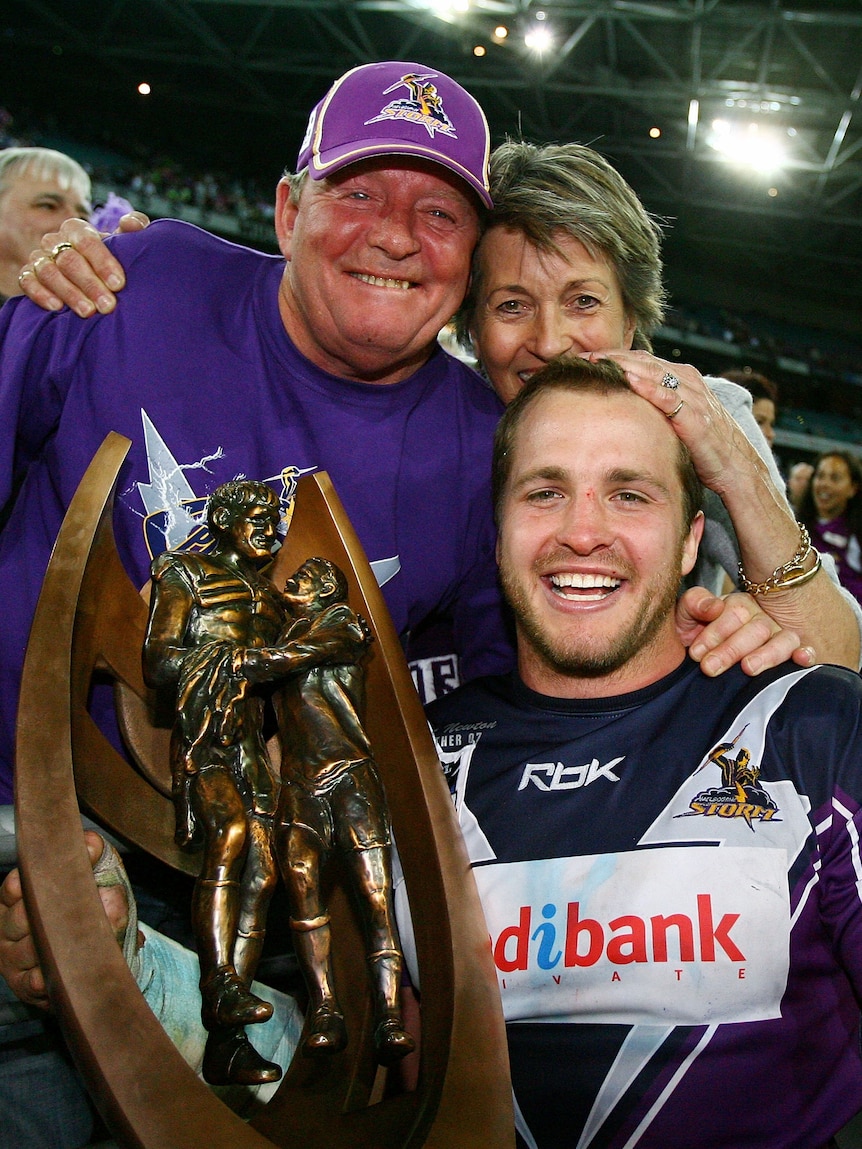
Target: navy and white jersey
point(673, 887)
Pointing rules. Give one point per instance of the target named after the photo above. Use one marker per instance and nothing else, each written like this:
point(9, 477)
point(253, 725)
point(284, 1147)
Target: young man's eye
point(546, 495)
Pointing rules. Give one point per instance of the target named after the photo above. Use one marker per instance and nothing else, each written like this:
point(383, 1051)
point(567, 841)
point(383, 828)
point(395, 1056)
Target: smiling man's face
point(378, 260)
point(592, 543)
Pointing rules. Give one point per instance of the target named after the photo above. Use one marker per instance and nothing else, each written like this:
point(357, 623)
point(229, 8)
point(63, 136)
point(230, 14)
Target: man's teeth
point(378, 281)
point(602, 583)
point(584, 580)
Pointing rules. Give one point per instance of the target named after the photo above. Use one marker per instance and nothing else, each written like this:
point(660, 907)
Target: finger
point(805, 656)
point(757, 645)
point(11, 891)
point(742, 646)
point(699, 605)
point(116, 907)
point(95, 844)
point(76, 266)
point(14, 924)
point(780, 648)
point(18, 960)
point(132, 221)
point(29, 986)
point(670, 388)
point(32, 286)
point(44, 281)
point(34, 991)
point(736, 631)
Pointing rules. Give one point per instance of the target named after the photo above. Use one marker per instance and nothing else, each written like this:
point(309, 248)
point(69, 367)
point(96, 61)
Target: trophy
point(351, 737)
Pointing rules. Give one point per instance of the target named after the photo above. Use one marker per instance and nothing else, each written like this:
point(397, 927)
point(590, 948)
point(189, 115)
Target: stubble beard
point(582, 655)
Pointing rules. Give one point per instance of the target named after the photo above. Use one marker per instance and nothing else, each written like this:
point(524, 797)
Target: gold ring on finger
point(40, 262)
point(22, 273)
point(673, 414)
point(63, 245)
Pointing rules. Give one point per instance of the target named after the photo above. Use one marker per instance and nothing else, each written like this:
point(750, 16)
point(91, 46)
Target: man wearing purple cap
point(223, 362)
point(226, 363)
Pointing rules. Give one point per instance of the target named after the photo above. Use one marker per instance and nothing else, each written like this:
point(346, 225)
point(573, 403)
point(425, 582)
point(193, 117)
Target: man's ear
point(327, 588)
point(221, 518)
point(285, 217)
point(691, 543)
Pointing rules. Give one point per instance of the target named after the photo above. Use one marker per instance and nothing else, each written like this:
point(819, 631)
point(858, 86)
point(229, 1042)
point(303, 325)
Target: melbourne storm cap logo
point(740, 794)
point(423, 105)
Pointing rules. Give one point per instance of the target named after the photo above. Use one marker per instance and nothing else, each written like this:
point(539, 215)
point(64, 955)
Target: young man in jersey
point(668, 863)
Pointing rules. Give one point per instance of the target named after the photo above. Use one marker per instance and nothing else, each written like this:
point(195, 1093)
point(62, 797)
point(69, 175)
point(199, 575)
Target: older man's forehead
point(393, 162)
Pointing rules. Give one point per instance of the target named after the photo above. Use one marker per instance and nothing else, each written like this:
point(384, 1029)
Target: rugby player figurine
point(332, 800)
point(213, 637)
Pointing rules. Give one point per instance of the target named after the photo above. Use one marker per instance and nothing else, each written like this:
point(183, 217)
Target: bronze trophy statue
point(214, 636)
point(332, 800)
point(90, 625)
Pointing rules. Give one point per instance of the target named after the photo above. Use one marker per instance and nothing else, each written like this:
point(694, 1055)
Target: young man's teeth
point(584, 581)
point(377, 281)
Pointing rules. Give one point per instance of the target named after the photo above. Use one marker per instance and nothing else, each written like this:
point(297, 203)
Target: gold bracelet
point(789, 575)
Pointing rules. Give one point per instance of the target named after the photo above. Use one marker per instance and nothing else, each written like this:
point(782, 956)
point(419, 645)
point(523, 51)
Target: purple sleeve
point(30, 397)
point(841, 881)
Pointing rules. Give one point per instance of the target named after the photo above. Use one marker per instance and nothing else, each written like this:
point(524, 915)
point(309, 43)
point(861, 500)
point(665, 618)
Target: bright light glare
point(748, 145)
point(501, 32)
point(446, 9)
point(539, 38)
point(144, 88)
point(479, 50)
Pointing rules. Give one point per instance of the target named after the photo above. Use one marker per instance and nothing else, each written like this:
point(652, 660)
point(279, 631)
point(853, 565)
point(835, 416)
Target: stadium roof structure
point(232, 82)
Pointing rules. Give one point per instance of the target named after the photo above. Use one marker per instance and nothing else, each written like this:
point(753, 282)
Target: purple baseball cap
point(398, 108)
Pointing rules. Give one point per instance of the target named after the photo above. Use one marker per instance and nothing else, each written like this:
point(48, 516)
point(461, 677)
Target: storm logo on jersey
point(740, 794)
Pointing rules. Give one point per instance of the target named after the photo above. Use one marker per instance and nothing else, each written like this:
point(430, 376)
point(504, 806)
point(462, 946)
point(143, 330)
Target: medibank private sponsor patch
point(674, 936)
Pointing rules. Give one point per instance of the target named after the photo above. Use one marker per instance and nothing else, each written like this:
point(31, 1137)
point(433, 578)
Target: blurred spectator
point(764, 397)
point(831, 509)
point(39, 188)
point(798, 480)
point(106, 216)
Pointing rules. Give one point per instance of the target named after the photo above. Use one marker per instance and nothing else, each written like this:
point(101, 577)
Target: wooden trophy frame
point(90, 620)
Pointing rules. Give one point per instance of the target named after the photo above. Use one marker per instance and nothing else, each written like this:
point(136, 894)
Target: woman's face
point(534, 305)
point(832, 487)
point(764, 417)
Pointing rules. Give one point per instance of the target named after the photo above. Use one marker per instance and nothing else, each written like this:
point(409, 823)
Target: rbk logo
point(556, 776)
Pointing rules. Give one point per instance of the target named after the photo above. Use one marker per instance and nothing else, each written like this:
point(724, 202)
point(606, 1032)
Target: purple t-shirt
point(834, 537)
point(195, 367)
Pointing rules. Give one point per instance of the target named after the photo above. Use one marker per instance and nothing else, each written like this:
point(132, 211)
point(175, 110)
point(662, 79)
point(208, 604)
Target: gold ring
point(40, 262)
point(673, 414)
point(21, 274)
point(63, 245)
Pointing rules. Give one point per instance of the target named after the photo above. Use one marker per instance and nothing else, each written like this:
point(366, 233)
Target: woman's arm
point(767, 533)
